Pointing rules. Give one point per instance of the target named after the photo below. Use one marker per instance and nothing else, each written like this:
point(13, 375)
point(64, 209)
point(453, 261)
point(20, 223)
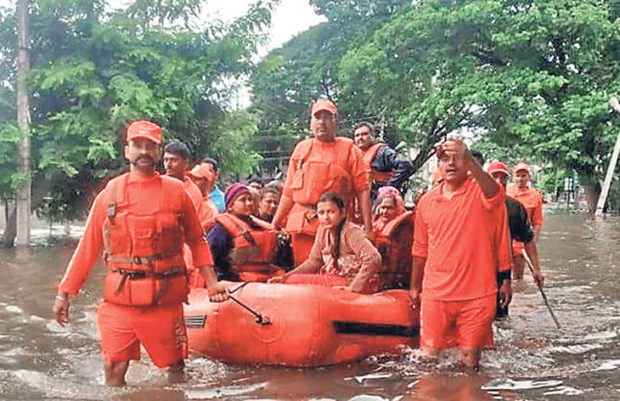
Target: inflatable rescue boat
point(299, 325)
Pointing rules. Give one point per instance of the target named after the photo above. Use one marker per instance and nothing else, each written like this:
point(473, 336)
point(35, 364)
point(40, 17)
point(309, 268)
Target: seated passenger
point(341, 256)
point(393, 237)
point(246, 248)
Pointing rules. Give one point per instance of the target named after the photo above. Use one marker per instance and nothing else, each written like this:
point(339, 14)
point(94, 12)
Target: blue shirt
point(217, 197)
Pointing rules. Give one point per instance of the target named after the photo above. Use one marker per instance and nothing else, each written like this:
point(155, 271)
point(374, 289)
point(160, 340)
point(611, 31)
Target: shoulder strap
point(304, 147)
point(115, 194)
point(371, 153)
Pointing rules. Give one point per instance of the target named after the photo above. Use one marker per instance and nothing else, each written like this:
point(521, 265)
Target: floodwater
point(532, 359)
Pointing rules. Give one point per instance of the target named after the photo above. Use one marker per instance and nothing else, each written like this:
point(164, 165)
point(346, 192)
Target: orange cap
point(520, 167)
point(202, 171)
point(498, 167)
point(324, 104)
point(145, 130)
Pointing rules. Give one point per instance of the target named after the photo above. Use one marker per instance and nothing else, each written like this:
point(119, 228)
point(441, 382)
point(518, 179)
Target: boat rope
point(260, 319)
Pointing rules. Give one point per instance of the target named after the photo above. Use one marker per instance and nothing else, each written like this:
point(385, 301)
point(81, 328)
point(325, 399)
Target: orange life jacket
point(143, 253)
point(379, 177)
point(254, 248)
point(394, 241)
point(315, 175)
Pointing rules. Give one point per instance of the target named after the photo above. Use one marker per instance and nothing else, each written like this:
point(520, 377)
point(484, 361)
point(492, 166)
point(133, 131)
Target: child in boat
point(342, 255)
point(244, 247)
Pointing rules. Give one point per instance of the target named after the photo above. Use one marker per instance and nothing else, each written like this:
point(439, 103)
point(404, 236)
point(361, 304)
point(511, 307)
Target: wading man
point(140, 222)
point(461, 249)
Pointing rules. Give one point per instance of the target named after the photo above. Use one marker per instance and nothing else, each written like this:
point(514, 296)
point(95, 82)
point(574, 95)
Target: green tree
point(93, 71)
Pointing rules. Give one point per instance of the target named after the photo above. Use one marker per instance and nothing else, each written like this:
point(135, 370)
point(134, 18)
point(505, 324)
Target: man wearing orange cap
point(531, 199)
point(204, 177)
point(461, 250)
point(318, 165)
point(519, 225)
point(140, 222)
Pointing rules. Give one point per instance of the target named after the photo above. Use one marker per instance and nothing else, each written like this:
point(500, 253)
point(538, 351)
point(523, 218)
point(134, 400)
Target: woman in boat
point(244, 247)
point(393, 237)
point(342, 256)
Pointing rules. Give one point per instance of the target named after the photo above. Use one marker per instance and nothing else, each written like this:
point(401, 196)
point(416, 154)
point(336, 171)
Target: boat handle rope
point(260, 319)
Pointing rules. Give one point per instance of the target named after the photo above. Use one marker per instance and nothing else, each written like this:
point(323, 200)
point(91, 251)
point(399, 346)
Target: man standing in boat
point(461, 248)
point(324, 163)
point(140, 222)
point(387, 166)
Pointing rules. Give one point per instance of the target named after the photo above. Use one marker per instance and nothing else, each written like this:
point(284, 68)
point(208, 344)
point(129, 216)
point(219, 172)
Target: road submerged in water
point(532, 359)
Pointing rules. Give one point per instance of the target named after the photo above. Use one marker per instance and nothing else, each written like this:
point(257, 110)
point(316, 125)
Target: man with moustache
point(324, 163)
point(139, 222)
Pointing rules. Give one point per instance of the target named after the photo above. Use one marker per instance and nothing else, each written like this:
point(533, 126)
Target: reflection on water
point(531, 360)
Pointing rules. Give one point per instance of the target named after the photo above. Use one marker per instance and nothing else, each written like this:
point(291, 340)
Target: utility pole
point(23, 122)
point(611, 168)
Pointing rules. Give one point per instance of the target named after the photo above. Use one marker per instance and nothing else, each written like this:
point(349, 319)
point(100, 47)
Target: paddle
point(531, 266)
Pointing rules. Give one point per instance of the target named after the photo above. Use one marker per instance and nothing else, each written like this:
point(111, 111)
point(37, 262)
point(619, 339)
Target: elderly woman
point(393, 237)
point(341, 256)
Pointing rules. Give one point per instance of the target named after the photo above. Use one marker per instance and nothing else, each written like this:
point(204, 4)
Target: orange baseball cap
point(143, 129)
point(498, 167)
point(201, 171)
point(520, 167)
point(324, 104)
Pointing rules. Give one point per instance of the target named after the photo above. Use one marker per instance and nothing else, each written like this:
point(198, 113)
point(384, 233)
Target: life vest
point(394, 241)
point(315, 175)
point(379, 177)
point(254, 248)
point(143, 252)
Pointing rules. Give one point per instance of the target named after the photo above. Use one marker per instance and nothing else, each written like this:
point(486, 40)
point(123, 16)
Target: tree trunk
point(592, 193)
point(10, 230)
point(23, 118)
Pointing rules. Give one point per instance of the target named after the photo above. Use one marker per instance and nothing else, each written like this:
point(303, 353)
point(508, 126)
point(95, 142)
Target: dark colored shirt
point(387, 159)
point(518, 222)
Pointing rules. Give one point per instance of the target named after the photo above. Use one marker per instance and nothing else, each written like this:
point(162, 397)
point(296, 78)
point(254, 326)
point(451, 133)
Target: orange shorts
point(517, 248)
point(464, 324)
point(160, 330)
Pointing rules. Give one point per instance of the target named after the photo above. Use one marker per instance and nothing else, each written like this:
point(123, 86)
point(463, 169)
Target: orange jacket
point(254, 249)
point(317, 167)
point(531, 199)
point(394, 241)
point(141, 224)
point(380, 177)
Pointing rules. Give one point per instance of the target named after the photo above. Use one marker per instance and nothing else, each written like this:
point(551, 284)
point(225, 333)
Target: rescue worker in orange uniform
point(388, 167)
point(532, 200)
point(203, 176)
point(393, 237)
point(325, 163)
point(176, 163)
point(140, 222)
point(246, 248)
point(461, 250)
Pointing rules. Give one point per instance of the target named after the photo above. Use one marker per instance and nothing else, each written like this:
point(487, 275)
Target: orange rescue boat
point(299, 325)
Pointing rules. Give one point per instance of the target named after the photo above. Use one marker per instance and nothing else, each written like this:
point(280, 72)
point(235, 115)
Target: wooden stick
point(531, 266)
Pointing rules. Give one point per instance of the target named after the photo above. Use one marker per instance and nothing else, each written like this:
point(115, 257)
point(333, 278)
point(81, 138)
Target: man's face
point(143, 154)
point(323, 126)
point(269, 204)
point(452, 167)
point(522, 178)
point(363, 137)
point(500, 177)
point(175, 165)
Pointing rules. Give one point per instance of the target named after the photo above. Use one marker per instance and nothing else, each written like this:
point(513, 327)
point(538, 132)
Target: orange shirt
point(196, 197)
point(464, 240)
point(141, 191)
point(358, 171)
point(531, 199)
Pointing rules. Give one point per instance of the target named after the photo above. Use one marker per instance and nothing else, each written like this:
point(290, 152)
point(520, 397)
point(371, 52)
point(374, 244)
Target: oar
point(531, 266)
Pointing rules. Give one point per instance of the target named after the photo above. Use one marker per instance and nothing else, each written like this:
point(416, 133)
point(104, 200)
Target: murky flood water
point(532, 360)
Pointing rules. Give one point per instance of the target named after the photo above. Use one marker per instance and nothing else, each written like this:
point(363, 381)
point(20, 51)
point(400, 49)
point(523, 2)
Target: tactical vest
point(380, 178)
point(143, 252)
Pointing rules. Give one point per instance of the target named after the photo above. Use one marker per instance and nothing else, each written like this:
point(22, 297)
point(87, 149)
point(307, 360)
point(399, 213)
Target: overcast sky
point(290, 18)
